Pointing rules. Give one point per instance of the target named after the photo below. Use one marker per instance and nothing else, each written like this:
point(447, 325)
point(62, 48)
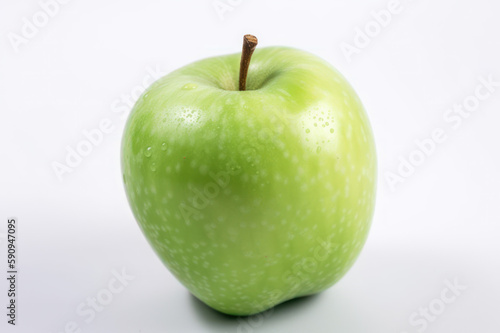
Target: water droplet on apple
point(153, 167)
point(188, 116)
point(233, 167)
point(318, 149)
point(308, 130)
point(315, 124)
point(163, 146)
point(332, 130)
point(147, 152)
point(190, 86)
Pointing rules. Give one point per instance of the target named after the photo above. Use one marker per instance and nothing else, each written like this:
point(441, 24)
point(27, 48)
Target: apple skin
point(251, 198)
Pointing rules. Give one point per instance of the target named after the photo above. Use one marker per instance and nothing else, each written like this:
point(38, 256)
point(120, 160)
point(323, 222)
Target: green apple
point(252, 197)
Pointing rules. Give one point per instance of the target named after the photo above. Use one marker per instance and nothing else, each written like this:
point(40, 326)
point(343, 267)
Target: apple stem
point(249, 45)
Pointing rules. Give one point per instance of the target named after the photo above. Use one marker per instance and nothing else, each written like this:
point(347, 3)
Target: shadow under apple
point(220, 321)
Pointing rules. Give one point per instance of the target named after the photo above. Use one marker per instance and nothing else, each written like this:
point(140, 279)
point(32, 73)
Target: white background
point(441, 224)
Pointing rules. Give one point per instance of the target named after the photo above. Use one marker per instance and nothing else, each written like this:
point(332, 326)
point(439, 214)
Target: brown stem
point(249, 45)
